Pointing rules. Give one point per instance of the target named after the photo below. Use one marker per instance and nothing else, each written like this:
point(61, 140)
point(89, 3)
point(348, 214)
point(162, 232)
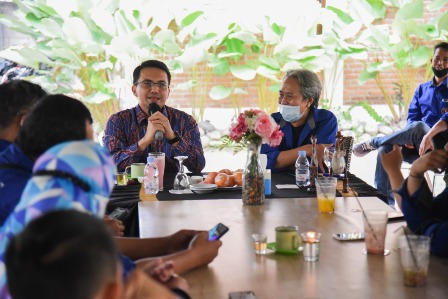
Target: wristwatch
point(175, 139)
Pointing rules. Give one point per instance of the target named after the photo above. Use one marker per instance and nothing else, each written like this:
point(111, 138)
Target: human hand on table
point(140, 285)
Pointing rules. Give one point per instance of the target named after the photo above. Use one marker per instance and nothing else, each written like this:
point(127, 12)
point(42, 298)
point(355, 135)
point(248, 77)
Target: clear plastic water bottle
point(302, 170)
point(151, 179)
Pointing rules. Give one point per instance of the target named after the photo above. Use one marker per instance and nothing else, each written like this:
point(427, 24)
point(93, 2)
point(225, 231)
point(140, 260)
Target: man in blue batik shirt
point(427, 116)
point(299, 119)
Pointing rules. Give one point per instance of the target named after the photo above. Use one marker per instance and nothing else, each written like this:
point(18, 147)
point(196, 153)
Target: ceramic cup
point(136, 170)
point(287, 238)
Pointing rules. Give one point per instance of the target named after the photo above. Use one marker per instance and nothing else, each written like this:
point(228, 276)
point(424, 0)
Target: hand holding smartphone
point(217, 232)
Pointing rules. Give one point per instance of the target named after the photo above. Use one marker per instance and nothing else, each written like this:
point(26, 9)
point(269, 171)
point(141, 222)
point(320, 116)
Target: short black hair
point(53, 120)
point(15, 97)
point(63, 254)
point(150, 63)
point(442, 45)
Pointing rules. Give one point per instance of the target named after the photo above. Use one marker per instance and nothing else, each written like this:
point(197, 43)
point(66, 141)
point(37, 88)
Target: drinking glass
point(181, 179)
point(328, 157)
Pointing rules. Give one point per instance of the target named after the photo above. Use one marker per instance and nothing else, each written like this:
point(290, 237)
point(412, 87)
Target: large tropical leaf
point(220, 92)
point(412, 10)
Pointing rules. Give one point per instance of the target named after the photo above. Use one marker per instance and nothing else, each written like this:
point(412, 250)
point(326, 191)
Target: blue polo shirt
point(429, 104)
point(15, 170)
point(427, 217)
point(321, 122)
point(4, 144)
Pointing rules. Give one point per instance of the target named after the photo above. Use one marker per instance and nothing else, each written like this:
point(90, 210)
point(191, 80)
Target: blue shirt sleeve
point(427, 216)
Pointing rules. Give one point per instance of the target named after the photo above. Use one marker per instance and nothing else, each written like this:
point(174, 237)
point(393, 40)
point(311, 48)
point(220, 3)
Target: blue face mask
point(290, 113)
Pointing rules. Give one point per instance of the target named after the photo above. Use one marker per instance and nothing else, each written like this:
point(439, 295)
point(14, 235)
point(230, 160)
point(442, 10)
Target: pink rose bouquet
point(256, 126)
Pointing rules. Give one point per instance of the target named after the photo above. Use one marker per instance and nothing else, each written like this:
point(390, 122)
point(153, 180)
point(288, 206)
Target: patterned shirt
point(125, 128)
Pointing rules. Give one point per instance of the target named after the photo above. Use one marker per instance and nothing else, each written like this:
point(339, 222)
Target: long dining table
point(343, 270)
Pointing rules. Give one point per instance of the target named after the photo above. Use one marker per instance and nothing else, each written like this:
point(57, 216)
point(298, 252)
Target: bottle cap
point(302, 153)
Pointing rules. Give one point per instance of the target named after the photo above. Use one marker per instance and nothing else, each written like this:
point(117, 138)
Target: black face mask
point(440, 73)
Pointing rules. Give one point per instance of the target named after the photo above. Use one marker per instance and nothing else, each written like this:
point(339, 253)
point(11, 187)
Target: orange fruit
point(226, 171)
point(224, 180)
point(210, 178)
point(238, 178)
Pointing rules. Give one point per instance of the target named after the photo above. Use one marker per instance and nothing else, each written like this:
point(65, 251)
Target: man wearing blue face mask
point(427, 116)
point(299, 119)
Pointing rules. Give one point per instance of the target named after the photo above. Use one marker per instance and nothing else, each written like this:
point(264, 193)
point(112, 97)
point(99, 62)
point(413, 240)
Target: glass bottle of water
point(151, 179)
point(302, 170)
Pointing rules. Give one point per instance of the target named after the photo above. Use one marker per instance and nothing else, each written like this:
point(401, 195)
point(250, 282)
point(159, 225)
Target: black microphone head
point(153, 108)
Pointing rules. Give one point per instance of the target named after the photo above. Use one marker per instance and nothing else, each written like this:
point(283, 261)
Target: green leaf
point(166, 40)
point(381, 37)
point(19, 58)
point(343, 16)
point(98, 98)
point(443, 22)
point(76, 30)
point(378, 8)
point(243, 72)
point(188, 20)
point(269, 62)
point(436, 5)
point(68, 55)
point(219, 92)
point(221, 67)
point(365, 75)
point(123, 25)
point(412, 10)
point(245, 36)
point(141, 39)
point(420, 56)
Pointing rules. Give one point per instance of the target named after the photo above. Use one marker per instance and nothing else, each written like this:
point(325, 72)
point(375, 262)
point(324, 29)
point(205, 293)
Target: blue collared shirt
point(4, 144)
point(427, 215)
point(428, 102)
point(322, 123)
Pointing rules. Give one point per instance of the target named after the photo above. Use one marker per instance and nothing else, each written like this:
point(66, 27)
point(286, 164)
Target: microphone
point(153, 108)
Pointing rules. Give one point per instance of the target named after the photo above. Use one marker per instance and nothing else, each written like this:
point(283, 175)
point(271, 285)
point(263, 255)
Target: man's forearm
point(440, 126)
point(136, 248)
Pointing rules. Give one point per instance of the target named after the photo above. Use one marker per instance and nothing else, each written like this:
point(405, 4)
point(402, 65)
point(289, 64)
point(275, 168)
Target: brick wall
point(353, 92)
point(370, 91)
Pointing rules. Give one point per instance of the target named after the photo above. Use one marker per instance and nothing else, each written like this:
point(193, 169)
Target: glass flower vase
point(253, 181)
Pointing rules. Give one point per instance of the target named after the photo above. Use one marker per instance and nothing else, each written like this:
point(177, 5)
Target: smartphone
point(217, 232)
point(349, 236)
point(242, 295)
point(119, 213)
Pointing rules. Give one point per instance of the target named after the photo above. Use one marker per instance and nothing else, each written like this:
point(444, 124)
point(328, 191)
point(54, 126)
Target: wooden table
point(342, 272)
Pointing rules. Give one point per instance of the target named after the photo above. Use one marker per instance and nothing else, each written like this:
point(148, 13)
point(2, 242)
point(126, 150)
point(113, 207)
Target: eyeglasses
point(149, 84)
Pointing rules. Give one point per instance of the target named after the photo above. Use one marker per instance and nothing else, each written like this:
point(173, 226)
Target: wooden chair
point(345, 144)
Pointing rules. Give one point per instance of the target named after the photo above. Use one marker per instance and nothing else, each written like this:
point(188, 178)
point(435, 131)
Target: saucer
point(272, 247)
point(203, 188)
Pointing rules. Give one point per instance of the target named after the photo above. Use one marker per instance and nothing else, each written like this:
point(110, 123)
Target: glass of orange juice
point(326, 194)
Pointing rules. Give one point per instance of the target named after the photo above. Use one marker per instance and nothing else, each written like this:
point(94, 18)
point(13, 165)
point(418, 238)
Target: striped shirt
point(125, 128)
